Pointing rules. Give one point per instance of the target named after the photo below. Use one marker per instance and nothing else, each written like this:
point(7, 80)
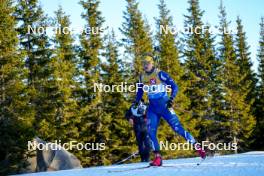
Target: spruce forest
point(47, 81)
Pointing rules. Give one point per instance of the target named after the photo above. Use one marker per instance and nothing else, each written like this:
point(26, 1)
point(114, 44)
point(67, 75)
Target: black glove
point(135, 105)
point(170, 102)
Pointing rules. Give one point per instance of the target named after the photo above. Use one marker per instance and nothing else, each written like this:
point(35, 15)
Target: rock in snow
point(51, 159)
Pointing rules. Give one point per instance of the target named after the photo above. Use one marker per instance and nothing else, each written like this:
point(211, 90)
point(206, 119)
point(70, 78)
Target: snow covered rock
point(52, 158)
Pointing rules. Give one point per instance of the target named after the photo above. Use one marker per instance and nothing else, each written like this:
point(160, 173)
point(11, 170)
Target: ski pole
point(127, 158)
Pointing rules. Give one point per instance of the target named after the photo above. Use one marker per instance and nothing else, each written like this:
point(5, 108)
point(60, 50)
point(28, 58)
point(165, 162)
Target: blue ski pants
point(157, 109)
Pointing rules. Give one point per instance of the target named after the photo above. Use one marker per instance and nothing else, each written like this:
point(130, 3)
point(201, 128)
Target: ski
point(210, 155)
point(131, 169)
point(145, 167)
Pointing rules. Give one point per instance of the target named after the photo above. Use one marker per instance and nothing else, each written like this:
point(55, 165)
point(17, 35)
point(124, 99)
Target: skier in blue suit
point(155, 82)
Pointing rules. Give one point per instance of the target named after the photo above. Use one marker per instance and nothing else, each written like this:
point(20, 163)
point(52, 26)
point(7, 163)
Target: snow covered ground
point(246, 164)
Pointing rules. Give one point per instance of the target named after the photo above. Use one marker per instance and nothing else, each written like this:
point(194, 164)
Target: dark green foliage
point(36, 46)
point(200, 64)
point(214, 88)
point(137, 39)
point(16, 117)
point(237, 118)
point(94, 123)
point(248, 81)
point(259, 105)
point(115, 103)
point(245, 64)
point(63, 64)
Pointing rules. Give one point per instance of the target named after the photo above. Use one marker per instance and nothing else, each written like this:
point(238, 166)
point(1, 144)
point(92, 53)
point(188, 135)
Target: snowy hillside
point(246, 164)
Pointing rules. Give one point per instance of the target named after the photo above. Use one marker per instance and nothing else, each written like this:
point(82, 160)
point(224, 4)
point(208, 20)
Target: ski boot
point(200, 151)
point(157, 160)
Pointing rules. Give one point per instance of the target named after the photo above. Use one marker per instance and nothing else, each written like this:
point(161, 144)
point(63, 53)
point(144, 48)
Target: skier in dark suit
point(137, 117)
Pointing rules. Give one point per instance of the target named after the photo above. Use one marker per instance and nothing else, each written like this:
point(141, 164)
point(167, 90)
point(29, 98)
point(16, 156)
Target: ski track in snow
point(245, 164)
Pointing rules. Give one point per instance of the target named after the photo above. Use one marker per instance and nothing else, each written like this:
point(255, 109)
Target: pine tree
point(36, 46)
point(94, 124)
point(170, 63)
point(259, 112)
point(199, 63)
point(15, 115)
point(120, 142)
point(214, 87)
point(169, 54)
point(248, 84)
point(237, 118)
point(64, 68)
point(30, 17)
point(137, 39)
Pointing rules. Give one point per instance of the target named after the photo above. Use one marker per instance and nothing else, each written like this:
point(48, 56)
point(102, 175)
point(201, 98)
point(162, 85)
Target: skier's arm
point(129, 114)
point(169, 81)
point(139, 89)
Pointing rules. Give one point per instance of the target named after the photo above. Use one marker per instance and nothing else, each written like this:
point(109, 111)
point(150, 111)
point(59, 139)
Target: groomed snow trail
point(245, 164)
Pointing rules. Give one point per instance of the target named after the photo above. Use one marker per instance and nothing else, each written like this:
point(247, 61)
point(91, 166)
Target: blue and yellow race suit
point(156, 85)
